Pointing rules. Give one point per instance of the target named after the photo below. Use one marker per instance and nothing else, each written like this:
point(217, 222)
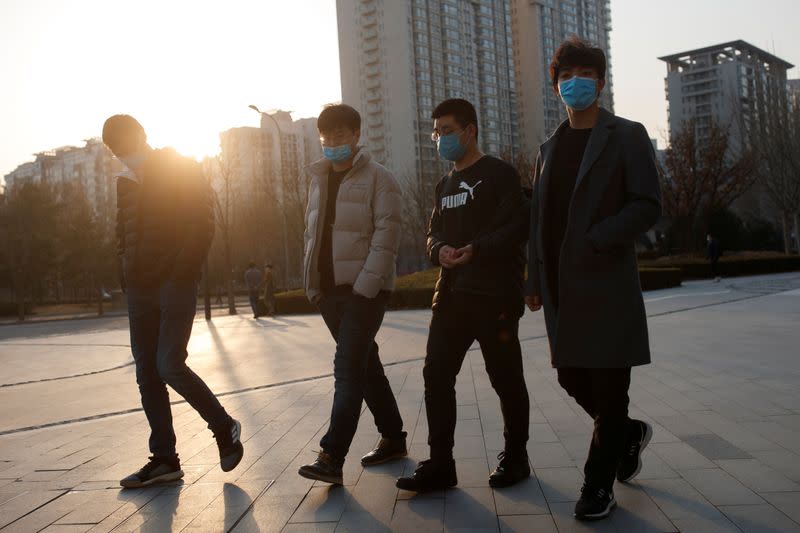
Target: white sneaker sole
point(164, 478)
point(645, 441)
point(598, 516)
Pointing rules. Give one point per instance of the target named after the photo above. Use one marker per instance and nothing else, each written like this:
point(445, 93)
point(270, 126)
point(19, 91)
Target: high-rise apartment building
point(735, 85)
point(91, 166)
point(400, 58)
point(539, 27)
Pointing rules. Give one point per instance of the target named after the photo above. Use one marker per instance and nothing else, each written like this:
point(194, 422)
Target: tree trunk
point(787, 232)
point(20, 298)
point(796, 218)
point(206, 293)
point(229, 279)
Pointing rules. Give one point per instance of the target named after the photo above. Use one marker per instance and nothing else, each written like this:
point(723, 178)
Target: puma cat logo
point(463, 185)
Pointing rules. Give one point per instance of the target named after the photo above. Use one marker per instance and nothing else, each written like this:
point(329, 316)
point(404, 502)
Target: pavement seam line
point(84, 374)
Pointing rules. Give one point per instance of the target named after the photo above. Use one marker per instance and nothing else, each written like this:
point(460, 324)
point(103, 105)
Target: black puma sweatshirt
point(482, 205)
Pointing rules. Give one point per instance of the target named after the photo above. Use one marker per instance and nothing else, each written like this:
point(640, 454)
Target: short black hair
point(462, 111)
point(336, 116)
point(123, 134)
point(575, 52)
point(251, 264)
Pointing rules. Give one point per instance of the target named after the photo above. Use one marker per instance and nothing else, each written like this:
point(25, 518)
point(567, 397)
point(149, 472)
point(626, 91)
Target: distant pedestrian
point(252, 278)
point(219, 295)
point(165, 223)
point(268, 284)
point(713, 253)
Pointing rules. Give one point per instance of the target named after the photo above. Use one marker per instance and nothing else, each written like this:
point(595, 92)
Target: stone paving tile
point(636, 511)
point(715, 447)
point(680, 456)
point(786, 502)
point(560, 484)
point(470, 508)
point(418, 514)
point(527, 523)
point(760, 519)
point(757, 476)
point(720, 488)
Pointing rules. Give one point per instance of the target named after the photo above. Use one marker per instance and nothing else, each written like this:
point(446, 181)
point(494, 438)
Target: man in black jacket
point(165, 223)
point(476, 234)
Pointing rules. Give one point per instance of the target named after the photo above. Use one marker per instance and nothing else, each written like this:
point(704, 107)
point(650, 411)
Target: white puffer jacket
point(366, 233)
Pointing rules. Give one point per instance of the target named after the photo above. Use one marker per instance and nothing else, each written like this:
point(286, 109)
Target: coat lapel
point(548, 150)
point(597, 142)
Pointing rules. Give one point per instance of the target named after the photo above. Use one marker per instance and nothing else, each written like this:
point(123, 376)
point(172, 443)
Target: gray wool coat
point(601, 320)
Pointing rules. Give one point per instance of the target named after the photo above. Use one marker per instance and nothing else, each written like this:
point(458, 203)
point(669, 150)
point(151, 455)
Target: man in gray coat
point(595, 190)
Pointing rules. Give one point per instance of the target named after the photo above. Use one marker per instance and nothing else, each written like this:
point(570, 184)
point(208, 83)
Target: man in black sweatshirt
point(476, 233)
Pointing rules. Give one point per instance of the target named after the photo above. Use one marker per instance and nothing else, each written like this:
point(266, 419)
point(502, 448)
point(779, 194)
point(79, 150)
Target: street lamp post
point(283, 197)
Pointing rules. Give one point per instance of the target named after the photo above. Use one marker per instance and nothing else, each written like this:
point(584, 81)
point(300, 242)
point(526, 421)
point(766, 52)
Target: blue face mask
point(450, 147)
point(337, 154)
point(578, 93)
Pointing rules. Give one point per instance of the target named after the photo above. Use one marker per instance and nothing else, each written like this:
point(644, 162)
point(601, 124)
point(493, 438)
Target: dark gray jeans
point(358, 373)
point(161, 323)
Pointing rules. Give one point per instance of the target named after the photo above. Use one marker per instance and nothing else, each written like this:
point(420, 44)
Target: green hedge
point(410, 296)
point(10, 309)
point(732, 266)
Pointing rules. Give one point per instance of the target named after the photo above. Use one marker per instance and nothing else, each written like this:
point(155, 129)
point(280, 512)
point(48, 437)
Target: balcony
point(375, 135)
point(368, 8)
point(369, 21)
point(372, 71)
point(374, 96)
point(370, 34)
point(370, 46)
point(374, 109)
point(372, 59)
point(373, 83)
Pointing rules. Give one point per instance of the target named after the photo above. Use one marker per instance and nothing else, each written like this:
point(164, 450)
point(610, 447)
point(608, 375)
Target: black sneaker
point(594, 504)
point(430, 476)
point(387, 450)
point(230, 446)
point(156, 471)
point(326, 468)
point(631, 463)
point(511, 470)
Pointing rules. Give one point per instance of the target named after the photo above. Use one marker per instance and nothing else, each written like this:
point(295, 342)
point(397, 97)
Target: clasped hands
point(450, 257)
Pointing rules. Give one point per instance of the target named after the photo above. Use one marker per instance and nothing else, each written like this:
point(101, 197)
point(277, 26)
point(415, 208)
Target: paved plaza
point(723, 396)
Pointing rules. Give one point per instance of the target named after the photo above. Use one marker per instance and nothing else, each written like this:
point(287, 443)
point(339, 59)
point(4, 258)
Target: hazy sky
point(188, 70)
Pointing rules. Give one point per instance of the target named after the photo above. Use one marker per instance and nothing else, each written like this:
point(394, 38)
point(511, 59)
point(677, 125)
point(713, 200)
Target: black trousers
point(603, 394)
point(457, 322)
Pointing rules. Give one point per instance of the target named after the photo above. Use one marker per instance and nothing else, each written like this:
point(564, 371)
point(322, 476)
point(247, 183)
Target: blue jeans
point(358, 373)
point(161, 323)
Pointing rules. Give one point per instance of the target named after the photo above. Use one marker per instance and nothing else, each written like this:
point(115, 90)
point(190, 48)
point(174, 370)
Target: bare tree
point(222, 174)
point(776, 142)
point(702, 176)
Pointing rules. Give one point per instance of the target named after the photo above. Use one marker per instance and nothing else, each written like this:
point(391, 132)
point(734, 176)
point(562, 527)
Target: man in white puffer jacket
point(351, 240)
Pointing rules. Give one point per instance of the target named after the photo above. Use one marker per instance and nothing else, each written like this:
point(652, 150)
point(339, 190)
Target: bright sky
point(188, 70)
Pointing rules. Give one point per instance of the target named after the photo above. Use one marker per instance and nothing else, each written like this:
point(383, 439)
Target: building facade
point(400, 58)
point(539, 27)
point(92, 167)
point(735, 85)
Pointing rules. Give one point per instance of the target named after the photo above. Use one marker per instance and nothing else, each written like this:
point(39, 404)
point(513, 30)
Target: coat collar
point(594, 147)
